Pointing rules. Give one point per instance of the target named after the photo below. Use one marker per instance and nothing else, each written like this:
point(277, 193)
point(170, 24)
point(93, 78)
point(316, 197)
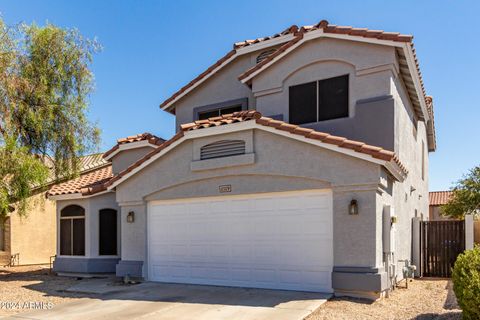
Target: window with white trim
point(72, 231)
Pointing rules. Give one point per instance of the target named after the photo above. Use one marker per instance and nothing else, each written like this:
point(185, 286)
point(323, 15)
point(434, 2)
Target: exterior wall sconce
point(131, 217)
point(353, 208)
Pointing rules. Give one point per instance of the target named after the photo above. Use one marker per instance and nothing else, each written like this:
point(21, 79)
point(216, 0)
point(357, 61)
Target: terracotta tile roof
point(87, 183)
point(137, 163)
point(438, 198)
point(253, 115)
point(139, 137)
point(298, 33)
point(331, 28)
point(86, 164)
point(92, 161)
point(357, 146)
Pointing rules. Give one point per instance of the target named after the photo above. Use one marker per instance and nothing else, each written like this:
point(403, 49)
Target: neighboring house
point(31, 238)
point(299, 162)
point(436, 200)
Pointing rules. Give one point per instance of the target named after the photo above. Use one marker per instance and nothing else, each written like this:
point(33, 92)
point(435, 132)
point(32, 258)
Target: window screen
point(66, 237)
point(333, 98)
point(72, 211)
point(318, 101)
point(72, 231)
point(303, 103)
point(108, 232)
point(218, 112)
point(78, 237)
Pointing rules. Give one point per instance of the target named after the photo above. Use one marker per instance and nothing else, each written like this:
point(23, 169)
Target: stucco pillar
point(468, 232)
point(416, 244)
point(133, 241)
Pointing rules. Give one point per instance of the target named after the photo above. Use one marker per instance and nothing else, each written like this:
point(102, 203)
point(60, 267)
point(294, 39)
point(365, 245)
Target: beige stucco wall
point(33, 235)
point(281, 164)
point(125, 158)
point(435, 213)
point(92, 206)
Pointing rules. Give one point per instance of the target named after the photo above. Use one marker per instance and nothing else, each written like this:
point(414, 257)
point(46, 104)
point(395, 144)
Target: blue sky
point(152, 48)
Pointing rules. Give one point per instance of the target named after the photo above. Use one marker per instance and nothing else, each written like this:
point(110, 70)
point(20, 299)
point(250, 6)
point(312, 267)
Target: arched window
point(223, 148)
point(72, 231)
point(107, 237)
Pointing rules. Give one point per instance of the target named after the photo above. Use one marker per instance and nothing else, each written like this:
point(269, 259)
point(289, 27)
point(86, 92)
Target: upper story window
point(218, 112)
point(319, 100)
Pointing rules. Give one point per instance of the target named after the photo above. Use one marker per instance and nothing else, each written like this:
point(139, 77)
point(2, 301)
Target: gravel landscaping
point(423, 300)
point(23, 288)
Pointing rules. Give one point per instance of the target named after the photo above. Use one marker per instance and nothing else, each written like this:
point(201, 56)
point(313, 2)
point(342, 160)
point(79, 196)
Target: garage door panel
point(280, 241)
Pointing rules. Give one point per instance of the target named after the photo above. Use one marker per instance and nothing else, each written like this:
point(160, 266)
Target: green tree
point(465, 196)
point(45, 82)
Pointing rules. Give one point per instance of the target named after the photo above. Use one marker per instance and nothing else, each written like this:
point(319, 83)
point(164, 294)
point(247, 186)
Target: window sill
point(225, 162)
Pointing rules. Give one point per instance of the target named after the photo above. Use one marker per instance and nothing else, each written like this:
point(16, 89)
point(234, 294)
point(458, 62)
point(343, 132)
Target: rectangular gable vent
point(220, 149)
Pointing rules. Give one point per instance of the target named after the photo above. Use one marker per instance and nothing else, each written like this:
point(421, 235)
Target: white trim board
point(77, 195)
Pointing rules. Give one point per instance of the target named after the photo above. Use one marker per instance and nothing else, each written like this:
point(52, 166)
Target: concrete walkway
point(185, 302)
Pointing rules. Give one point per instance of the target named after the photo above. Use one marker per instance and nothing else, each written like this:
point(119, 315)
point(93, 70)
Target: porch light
point(131, 217)
point(353, 208)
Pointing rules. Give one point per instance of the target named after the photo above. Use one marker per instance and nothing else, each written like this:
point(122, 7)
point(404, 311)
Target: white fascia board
point(320, 34)
point(412, 66)
point(199, 82)
point(265, 44)
point(75, 196)
point(128, 146)
point(248, 125)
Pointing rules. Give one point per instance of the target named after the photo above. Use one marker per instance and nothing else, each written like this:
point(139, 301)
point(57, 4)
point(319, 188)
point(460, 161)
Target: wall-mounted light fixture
point(131, 217)
point(353, 207)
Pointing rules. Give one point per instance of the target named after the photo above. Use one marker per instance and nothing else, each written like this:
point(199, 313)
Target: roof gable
point(137, 141)
point(254, 120)
point(295, 36)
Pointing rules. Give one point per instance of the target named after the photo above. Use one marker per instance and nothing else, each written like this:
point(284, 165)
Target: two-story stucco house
point(299, 162)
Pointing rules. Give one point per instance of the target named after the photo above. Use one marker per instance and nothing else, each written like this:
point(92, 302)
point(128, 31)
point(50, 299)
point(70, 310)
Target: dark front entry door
point(108, 232)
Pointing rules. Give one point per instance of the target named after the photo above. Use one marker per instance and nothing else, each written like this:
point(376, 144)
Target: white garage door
point(276, 241)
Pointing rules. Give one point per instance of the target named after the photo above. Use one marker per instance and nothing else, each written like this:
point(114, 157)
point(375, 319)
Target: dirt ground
point(24, 288)
point(423, 300)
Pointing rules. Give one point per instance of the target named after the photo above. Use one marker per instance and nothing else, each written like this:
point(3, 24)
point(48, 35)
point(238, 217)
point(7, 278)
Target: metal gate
point(441, 243)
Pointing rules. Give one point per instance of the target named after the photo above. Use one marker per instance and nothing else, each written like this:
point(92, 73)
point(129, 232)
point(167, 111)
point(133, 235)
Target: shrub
point(466, 283)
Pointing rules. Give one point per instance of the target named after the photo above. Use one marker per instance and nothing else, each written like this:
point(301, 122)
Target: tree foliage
point(45, 82)
point(465, 196)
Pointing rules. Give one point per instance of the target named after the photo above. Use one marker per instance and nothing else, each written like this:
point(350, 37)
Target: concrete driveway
point(162, 301)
